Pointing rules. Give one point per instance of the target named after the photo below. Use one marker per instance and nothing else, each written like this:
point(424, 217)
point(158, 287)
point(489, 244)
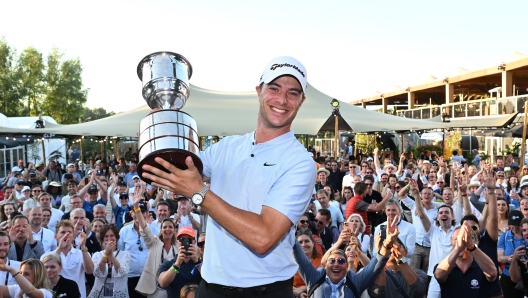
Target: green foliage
point(30, 86)
point(94, 114)
point(418, 150)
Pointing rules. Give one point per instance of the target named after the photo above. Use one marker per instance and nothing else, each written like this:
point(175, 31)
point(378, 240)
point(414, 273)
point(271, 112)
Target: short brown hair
point(64, 223)
point(105, 229)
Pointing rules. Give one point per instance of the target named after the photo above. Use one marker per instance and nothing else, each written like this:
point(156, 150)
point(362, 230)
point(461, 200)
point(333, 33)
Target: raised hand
point(392, 229)
point(4, 266)
point(137, 197)
point(83, 239)
point(489, 180)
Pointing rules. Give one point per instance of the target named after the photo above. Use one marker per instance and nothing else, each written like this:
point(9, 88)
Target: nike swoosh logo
point(268, 164)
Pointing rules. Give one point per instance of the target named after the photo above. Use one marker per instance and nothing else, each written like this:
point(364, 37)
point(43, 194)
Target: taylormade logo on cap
point(285, 65)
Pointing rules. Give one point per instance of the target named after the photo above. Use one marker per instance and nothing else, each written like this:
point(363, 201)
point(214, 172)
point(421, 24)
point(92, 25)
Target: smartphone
point(85, 180)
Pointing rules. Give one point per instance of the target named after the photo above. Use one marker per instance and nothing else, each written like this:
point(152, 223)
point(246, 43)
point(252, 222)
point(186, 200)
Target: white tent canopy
point(233, 113)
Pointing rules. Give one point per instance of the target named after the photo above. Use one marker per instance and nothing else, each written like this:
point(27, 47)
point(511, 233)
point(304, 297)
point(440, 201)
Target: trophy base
point(175, 156)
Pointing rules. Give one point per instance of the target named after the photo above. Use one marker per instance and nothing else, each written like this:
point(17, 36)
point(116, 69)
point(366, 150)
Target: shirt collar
point(336, 285)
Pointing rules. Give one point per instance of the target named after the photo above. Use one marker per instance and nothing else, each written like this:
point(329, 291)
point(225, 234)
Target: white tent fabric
point(233, 113)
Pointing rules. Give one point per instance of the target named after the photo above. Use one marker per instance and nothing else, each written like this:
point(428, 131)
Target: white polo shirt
point(14, 290)
point(56, 216)
point(10, 279)
point(440, 246)
point(421, 237)
point(407, 236)
point(279, 174)
point(73, 268)
point(47, 238)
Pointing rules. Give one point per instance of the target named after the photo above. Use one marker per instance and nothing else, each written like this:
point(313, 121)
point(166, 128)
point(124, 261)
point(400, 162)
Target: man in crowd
point(335, 179)
point(52, 172)
point(466, 271)
point(185, 217)
point(23, 246)
point(77, 202)
point(45, 236)
point(322, 176)
point(129, 177)
point(162, 212)
point(324, 200)
point(420, 260)
point(75, 262)
point(375, 217)
point(5, 277)
point(407, 233)
point(44, 201)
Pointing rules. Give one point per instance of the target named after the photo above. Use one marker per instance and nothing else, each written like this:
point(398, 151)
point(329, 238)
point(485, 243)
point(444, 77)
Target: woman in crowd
point(352, 247)
point(307, 242)
point(97, 224)
point(357, 225)
point(331, 195)
point(121, 167)
point(32, 280)
point(504, 210)
point(512, 184)
point(5, 212)
point(162, 248)
point(348, 193)
point(390, 187)
point(111, 265)
point(46, 217)
point(62, 287)
point(188, 291)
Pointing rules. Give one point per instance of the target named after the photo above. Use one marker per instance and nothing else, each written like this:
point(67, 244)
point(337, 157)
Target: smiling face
point(445, 217)
point(502, 207)
point(280, 101)
point(306, 244)
point(167, 229)
point(109, 237)
point(355, 223)
point(336, 267)
point(303, 223)
point(524, 207)
point(53, 269)
point(448, 196)
point(392, 210)
point(4, 247)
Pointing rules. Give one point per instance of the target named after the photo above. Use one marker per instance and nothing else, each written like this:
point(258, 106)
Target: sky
point(351, 49)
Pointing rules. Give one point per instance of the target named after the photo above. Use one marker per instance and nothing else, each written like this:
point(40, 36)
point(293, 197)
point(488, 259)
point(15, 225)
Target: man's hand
point(376, 151)
point(488, 179)
point(462, 186)
point(83, 239)
point(519, 252)
point(65, 241)
point(184, 182)
point(29, 234)
point(87, 226)
point(392, 229)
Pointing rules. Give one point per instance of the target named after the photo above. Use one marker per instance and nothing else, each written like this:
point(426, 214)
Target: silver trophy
point(166, 132)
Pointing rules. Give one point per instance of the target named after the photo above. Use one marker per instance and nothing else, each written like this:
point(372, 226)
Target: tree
point(94, 114)
point(30, 69)
point(10, 103)
point(65, 96)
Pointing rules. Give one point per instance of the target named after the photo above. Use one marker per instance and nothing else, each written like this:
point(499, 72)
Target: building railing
point(472, 108)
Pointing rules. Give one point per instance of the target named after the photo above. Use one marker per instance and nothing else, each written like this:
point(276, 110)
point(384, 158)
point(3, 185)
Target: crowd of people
point(281, 221)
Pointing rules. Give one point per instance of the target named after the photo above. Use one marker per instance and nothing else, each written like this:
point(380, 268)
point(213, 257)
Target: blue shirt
point(119, 213)
point(508, 243)
point(128, 178)
point(87, 206)
point(188, 275)
point(278, 174)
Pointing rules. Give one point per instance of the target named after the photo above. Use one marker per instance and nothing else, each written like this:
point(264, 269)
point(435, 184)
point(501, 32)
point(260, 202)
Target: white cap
point(25, 188)
point(284, 65)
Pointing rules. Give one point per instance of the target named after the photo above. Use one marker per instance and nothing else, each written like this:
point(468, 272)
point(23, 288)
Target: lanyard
point(163, 249)
point(7, 272)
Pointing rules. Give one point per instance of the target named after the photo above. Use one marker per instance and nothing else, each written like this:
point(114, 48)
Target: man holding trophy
point(261, 184)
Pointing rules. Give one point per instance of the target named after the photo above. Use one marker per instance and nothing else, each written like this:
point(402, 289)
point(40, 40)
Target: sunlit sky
point(350, 48)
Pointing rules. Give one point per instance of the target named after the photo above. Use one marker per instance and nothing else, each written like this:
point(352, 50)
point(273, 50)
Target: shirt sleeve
point(502, 243)
point(362, 206)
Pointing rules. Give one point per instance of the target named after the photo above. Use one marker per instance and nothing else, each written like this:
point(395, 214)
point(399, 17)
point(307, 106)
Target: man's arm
point(445, 267)
point(376, 160)
point(420, 209)
point(492, 222)
point(486, 264)
point(250, 228)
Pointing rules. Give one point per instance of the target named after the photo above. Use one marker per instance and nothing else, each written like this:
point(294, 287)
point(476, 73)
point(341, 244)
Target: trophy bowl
point(166, 132)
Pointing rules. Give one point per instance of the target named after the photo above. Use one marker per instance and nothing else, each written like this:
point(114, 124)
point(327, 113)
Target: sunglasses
point(201, 244)
point(368, 184)
point(302, 221)
point(320, 222)
point(353, 167)
point(432, 171)
point(340, 261)
point(397, 187)
point(368, 173)
point(140, 247)
point(440, 182)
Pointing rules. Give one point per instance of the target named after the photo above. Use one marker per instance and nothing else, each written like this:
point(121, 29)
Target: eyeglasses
point(140, 247)
point(340, 261)
point(500, 175)
point(20, 183)
point(368, 173)
point(78, 202)
point(302, 221)
point(201, 244)
point(368, 184)
point(353, 167)
point(37, 190)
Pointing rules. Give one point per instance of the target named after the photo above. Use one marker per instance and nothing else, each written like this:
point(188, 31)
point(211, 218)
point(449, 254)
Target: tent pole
point(115, 150)
point(403, 142)
point(336, 135)
point(81, 150)
point(521, 154)
point(43, 152)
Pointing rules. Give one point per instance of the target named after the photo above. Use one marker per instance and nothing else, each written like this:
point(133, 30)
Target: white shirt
point(440, 246)
point(421, 237)
point(348, 181)
point(73, 268)
point(248, 175)
point(407, 235)
point(458, 211)
point(3, 274)
point(56, 216)
point(19, 195)
point(65, 204)
point(128, 241)
point(14, 290)
point(47, 238)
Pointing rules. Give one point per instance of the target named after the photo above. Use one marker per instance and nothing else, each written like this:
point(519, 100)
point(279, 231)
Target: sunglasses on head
point(302, 221)
point(340, 261)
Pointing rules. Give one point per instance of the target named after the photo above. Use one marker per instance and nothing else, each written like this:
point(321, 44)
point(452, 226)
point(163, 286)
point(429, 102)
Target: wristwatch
point(198, 197)
point(402, 260)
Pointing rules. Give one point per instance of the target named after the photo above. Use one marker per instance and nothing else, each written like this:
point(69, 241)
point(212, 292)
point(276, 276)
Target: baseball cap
point(32, 173)
point(121, 183)
point(123, 194)
point(135, 176)
point(92, 188)
point(20, 181)
point(515, 217)
point(70, 165)
point(185, 230)
point(26, 188)
point(284, 65)
point(370, 159)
